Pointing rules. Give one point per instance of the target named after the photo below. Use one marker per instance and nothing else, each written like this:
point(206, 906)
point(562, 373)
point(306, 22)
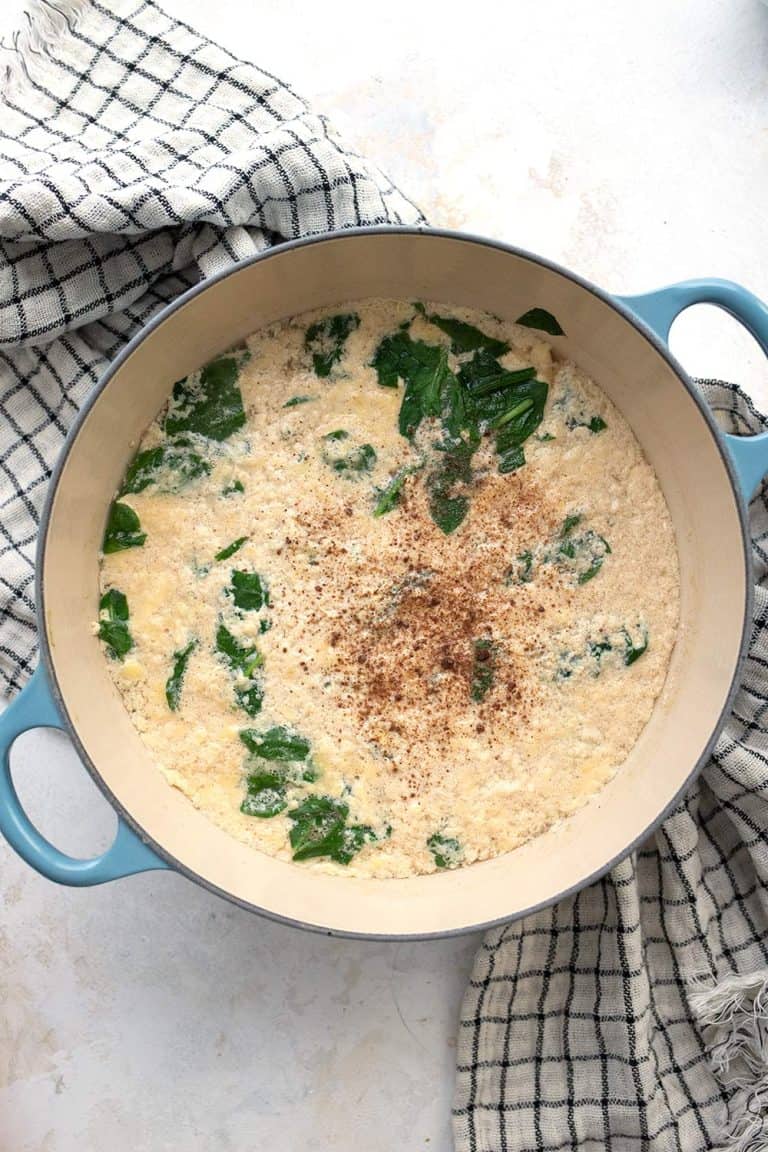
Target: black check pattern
point(589, 1025)
point(135, 158)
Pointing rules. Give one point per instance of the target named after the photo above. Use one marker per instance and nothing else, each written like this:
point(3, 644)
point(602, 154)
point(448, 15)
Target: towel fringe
point(29, 52)
point(733, 1016)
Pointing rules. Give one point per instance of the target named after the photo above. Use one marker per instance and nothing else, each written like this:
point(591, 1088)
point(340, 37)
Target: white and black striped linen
point(633, 1017)
point(135, 158)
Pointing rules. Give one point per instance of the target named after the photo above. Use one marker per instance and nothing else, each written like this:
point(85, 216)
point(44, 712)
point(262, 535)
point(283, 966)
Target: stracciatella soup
point(390, 588)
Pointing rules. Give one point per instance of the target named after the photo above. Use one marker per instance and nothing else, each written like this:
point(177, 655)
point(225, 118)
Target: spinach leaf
point(277, 743)
point(361, 459)
point(397, 357)
point(123, 529)
point(296, 400)
point(170, 466)
point(545, 437)
point(511, 403)
point(632, 649)
point(174, 682)
point(491, 390)
point(325, 340)
point(447, 508)
point(571, 521)
point(235, 486)
point(541, 319)
point(265, 803)
point(265, 795)
point(423, 395)
point(353, 838)
point(422, 367)
point(522, 417)
point(582, 555)
point(447, 851)
point(600, 549)
point(482, 397)
point(431, 389)
point(595, 423)
point(597, 649)
point(483, 375)
point(250, 698)
point(318, 827)
point(483, 670)
point(142, 470)
point(115, 604)
point(243, 660)
point(230, 550)
point(389, 496)
point(464, 337)
point(208, 402)
point(511, 460)
point(620, 646)
point(523, 573)
point(425, 376)
point(113, 624)
point(249, 591)
point(483, 393)
point(457, 415)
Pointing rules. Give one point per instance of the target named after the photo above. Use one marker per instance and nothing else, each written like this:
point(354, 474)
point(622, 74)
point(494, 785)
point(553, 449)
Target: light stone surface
point(627, 142)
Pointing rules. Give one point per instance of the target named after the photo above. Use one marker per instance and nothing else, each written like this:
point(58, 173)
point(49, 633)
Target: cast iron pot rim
point(446, 234)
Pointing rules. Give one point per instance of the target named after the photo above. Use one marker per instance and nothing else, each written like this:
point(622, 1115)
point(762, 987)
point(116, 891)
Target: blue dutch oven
point(707, 478)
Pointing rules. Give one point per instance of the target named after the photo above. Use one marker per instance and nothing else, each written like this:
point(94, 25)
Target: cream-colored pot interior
point(677, 440)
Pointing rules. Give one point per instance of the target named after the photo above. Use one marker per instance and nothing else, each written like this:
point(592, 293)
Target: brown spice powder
point(404, 662)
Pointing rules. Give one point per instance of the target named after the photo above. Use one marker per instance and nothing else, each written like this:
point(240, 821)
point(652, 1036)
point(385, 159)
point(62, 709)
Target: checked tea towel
point(135, 158)
point(633, 1017)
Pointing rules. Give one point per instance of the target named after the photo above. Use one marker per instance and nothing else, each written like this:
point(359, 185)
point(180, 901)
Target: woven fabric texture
point(135, 158)
point(632, 1016)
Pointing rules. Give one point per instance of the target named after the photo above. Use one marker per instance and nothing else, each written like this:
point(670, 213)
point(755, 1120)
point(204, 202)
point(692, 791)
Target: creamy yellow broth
point(452, 694)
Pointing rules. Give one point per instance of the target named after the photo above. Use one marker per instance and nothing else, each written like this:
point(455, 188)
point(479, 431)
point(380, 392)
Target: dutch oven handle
point(660, 309)
point(35, 707)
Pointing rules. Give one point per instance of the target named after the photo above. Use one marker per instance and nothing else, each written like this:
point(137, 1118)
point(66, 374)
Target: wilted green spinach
point(355, 460)
point(277, 759)
point(170, 467)
point(481, 398)
point(113, 624)
point(541, 319)
point(243, 659)
point(446, 850)
point(123, 529)
point(325, 340)
point(320, 829)
point(208, 402)
point(230, 549)
point(173, 684)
